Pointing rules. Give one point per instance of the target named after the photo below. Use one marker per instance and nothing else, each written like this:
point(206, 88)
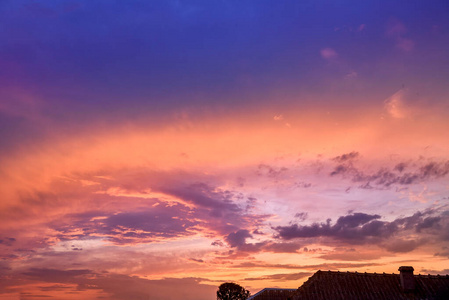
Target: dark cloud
point(346, 157)
point(355, 220)
point(205, 195)
point(238, 238)
point(435, 170)
point(7, 241)
point(341, 169)
point(217, 243)
point(257, 231)
point(26, 295)
point(400, 167)
point(54, 275)
point(366, 186)
point(403, 246)
point(144, 225)
point(251, 203)
point(385, 177)
point(360, 228)
point(269, 171)
point(435, 272)
point(164, 222)
point(301, 216)
point(201, 207)
point(354, 226)
point(303, 184)
point(218, 208)
point(429, 222)
point(444, 252)
point(198, 205)
point(422, 221)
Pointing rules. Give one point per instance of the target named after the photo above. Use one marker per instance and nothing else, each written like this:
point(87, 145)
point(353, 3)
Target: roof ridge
point(269, 289)
point(377, 274)
point(360, 273)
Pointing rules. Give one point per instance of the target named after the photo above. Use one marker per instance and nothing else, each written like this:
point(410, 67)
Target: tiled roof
point(350, 285)
point(272, 294)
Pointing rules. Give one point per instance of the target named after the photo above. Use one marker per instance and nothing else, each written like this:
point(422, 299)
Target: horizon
point(156, 149)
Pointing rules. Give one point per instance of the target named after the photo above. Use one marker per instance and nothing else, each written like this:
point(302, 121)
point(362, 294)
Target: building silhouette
point(335, 285)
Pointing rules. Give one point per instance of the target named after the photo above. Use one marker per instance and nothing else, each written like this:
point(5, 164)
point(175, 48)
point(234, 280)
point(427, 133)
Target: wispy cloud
point(396, 105)
point(401, 174)
point(396, 30)
point(282, 277)
point(328, 53)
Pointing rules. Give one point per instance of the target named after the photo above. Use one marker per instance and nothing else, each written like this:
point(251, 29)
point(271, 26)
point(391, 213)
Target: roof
point(272, 294)
point(353, 285)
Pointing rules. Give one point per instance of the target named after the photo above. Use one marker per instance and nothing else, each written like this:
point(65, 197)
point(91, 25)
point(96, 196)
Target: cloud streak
point(82, 282)
point(361, 228)
point(401, 174)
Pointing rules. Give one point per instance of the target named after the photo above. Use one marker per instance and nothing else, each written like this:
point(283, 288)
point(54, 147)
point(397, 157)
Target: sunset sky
point(156, 149)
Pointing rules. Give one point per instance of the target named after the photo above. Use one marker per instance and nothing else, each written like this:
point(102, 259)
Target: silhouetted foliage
point(232, 291)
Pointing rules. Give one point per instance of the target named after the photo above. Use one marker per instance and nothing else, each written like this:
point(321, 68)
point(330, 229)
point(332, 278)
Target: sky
point(156, 149)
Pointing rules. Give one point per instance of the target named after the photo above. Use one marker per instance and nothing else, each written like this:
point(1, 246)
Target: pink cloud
point(404, 44)
point(361, 27)
point(396, 30)
point(328, 53)
point(396, 105)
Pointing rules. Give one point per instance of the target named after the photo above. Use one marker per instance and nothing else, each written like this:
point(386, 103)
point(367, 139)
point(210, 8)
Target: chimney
point(407, 279)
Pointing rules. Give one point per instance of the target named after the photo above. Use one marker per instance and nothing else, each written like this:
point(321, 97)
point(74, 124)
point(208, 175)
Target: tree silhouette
point(231, 291)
